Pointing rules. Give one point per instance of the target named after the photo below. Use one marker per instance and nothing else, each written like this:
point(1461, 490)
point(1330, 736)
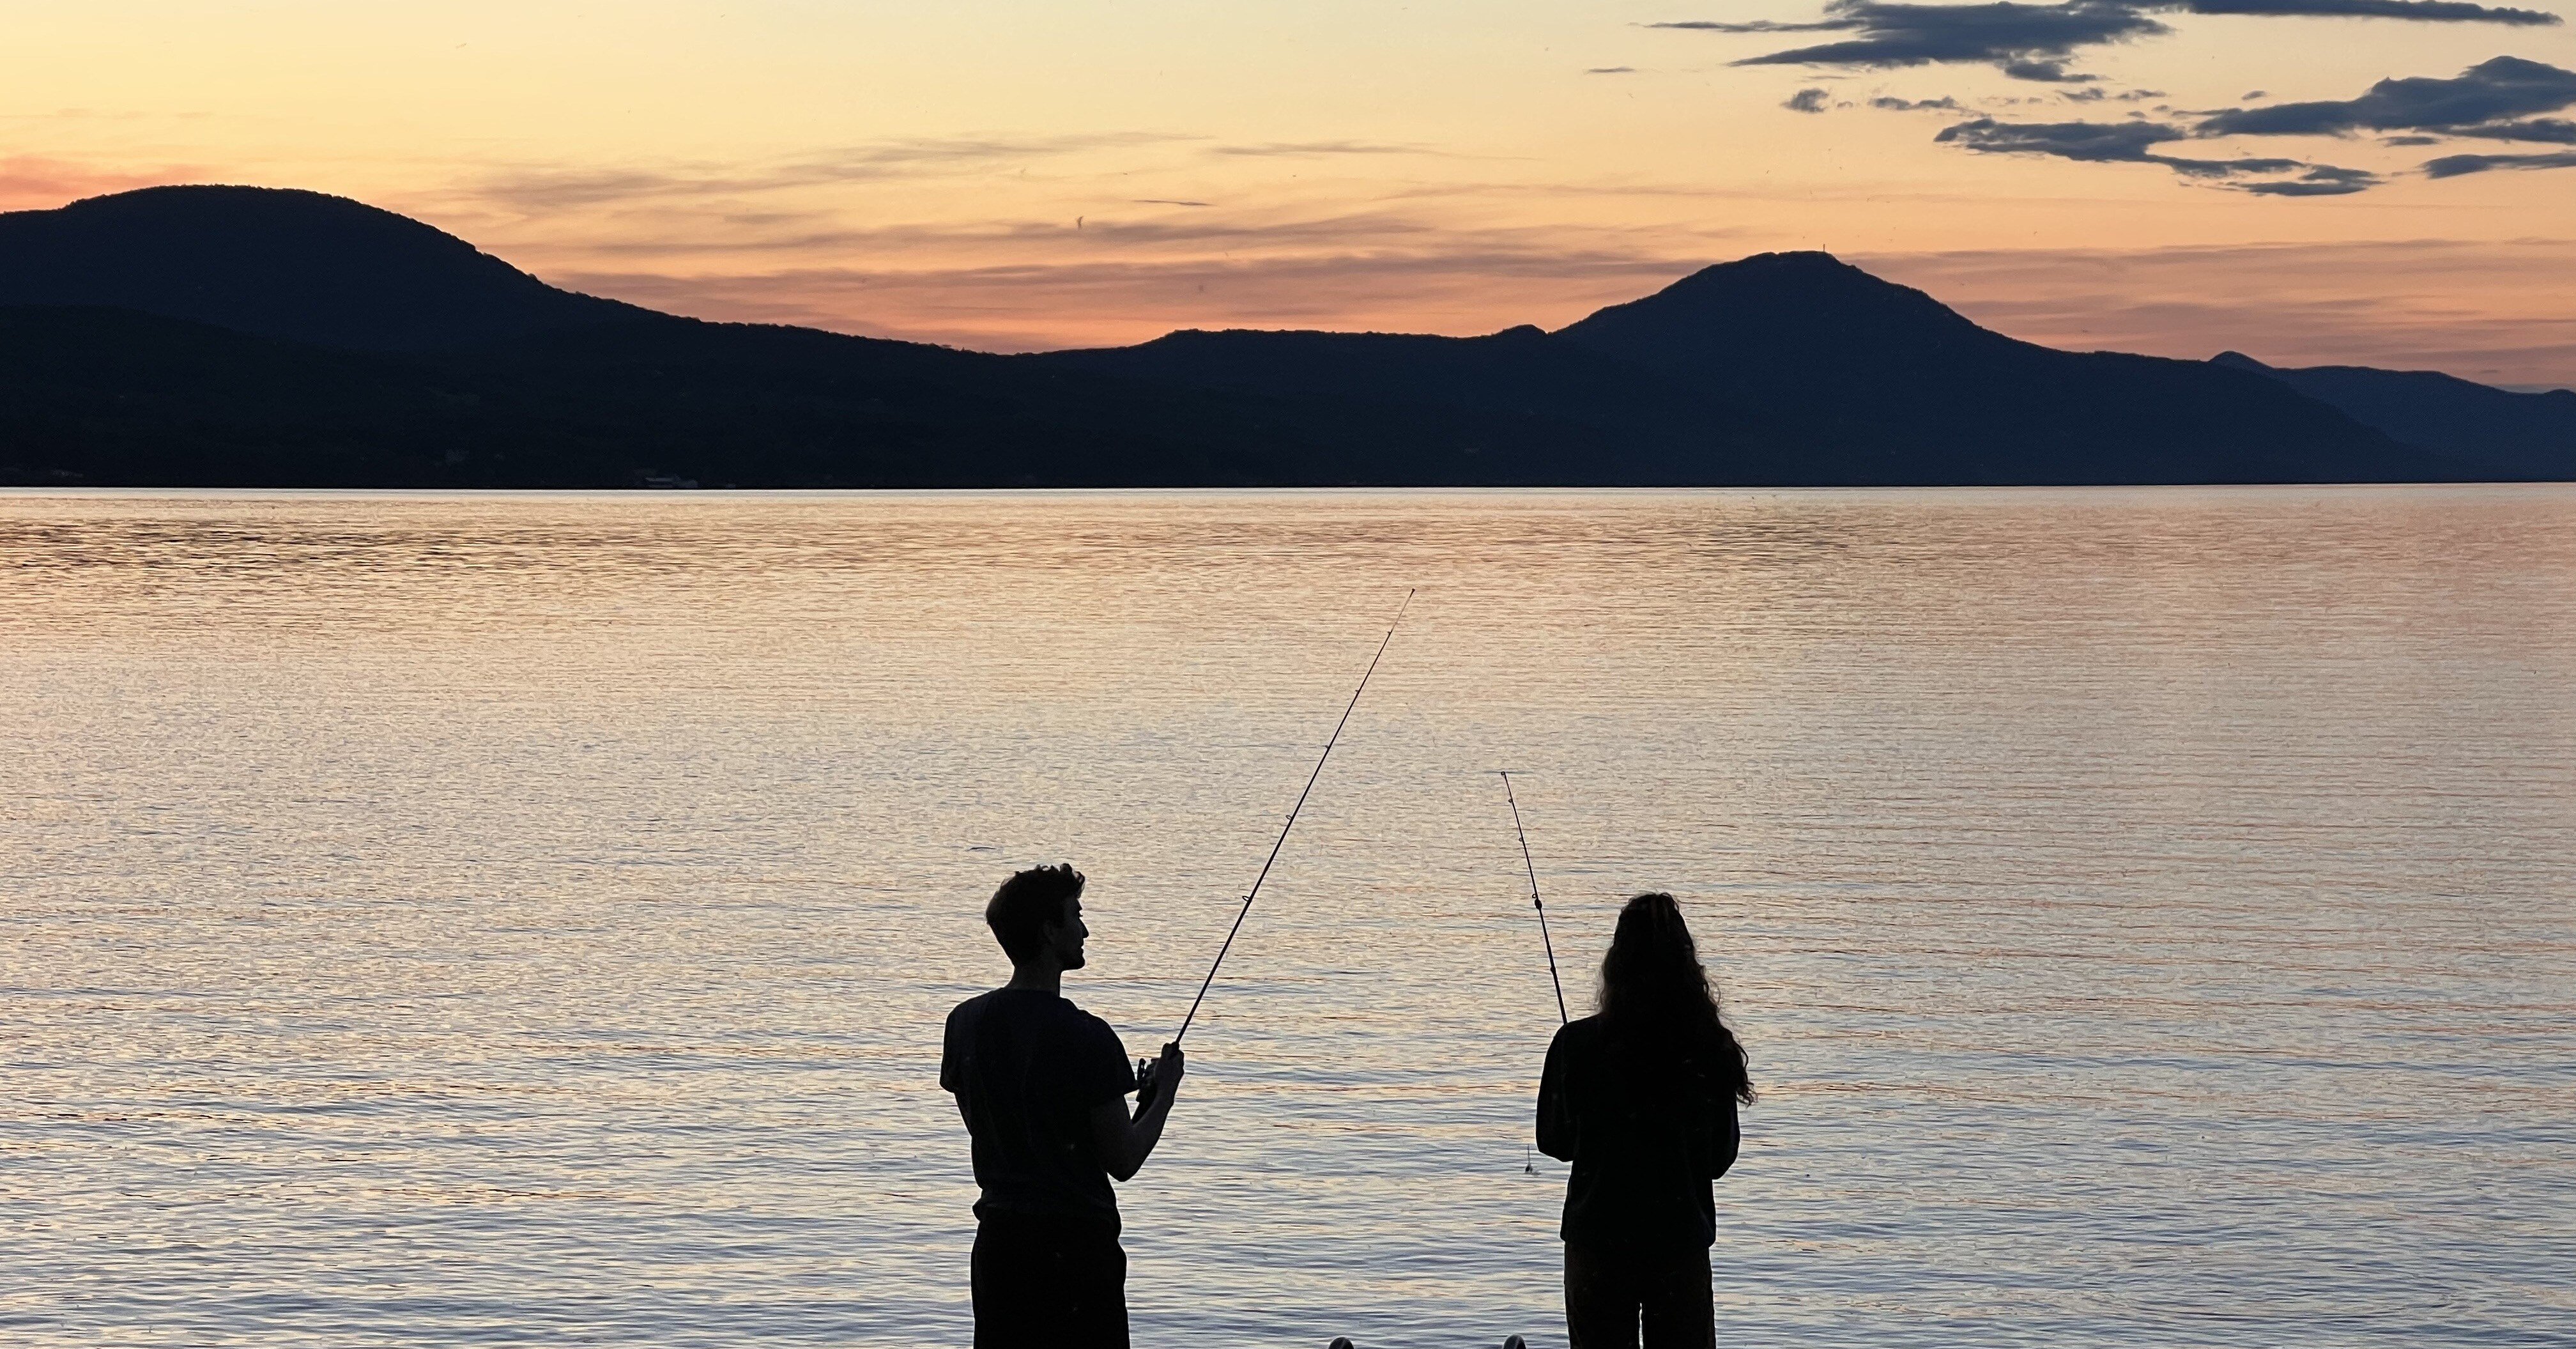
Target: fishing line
point(1255, 892)
point(1532, 868)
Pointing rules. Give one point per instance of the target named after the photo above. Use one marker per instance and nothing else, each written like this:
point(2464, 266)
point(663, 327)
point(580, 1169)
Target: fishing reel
point(1148, 1080)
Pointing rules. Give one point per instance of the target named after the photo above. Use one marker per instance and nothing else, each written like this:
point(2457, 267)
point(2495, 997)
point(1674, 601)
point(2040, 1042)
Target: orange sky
point(1008, 174)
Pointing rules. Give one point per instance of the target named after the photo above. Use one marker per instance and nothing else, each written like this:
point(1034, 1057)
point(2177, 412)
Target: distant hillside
point(239, 336)
point(281, 264)
point(2498, 433)
point(1791, 368)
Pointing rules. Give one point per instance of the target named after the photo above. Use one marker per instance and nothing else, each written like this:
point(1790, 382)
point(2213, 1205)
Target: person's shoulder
point(974, 1007)
point(1084, 1023)
point(1581, 1032)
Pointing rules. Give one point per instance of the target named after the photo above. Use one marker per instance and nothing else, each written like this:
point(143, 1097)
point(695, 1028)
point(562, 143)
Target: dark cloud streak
point(2138, 142)
point(2420, 11)
point(2483, 95)
point(2037, 41)
point(2454, 166)
point(2029, 42)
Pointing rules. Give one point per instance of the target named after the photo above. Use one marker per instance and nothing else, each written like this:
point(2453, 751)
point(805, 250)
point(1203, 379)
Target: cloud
point(1611, 70)
point(39, 182)
point(1325, 148)
point(545, 190)
point(2091, 142)
point(2036, 41)
point(2494, 100)
point(2137, 142)
point(2030, 42)
point(1807, 100)
point(2547, 130)
point(994, 293)
point(2420, 11)
point(2489, 92)
point(2320, 180)
point(2453, 166)
point(2470, 307)
point(1944, 104)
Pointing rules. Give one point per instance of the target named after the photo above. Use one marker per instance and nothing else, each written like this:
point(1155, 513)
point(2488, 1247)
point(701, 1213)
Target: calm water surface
point(527, 921)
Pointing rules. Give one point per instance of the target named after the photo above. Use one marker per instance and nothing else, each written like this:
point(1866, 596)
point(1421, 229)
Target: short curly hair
point(1026, 903)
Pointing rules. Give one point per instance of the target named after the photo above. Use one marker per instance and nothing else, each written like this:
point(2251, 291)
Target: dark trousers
point(1043, 1284)
point(1609, 1292)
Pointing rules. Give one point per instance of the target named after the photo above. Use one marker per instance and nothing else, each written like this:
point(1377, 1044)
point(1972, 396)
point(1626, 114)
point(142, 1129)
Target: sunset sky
point(2168, 177)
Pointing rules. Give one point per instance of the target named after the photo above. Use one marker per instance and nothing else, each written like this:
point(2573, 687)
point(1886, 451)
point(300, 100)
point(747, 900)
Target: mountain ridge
point(253, 336)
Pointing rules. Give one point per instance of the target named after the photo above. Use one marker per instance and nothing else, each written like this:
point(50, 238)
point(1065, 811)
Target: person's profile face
point(1066, 938)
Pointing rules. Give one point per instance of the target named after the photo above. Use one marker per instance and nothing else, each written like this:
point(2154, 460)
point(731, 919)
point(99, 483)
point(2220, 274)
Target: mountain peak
point(280, 262)
point(1773, 308)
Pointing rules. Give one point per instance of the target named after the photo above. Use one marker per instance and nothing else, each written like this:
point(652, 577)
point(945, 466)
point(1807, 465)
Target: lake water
point(469, 920)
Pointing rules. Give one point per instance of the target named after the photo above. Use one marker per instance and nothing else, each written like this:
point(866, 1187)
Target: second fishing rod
point(1282, 841)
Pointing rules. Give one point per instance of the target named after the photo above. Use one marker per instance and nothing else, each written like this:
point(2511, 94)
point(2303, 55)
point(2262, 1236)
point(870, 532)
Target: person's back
point(1041, 1085)
point(1641, 1099)
point(1647, 1126)
point(1027, 1067)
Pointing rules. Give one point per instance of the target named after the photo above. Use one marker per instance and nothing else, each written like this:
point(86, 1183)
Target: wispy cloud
point(2032, 42)
point(42, 182)
point(1808, 100)
point(2038, 41)
point(2420, 11)
point(2453, 166)
point(557, 189)
point(2138, 142)
point(2491, 310)
point(2494, 100)
point(2474, 101)
point(1399, 279)
point(2545, 130)
point(1325, 148)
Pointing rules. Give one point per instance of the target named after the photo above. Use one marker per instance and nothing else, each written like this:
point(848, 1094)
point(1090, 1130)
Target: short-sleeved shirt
point(1647, 1133)
point(1029, 1068)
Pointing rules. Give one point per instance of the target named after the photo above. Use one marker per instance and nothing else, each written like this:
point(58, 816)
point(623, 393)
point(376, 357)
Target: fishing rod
point(1255, 892)
point(1535, 903)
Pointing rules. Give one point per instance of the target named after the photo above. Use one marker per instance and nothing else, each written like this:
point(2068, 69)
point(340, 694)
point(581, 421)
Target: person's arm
point(1556, 1131)
point(1122, 1142)
point(1729, 1138)
point(952, 1073)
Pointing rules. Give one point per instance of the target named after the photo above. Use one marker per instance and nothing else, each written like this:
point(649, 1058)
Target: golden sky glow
point(1008, 174)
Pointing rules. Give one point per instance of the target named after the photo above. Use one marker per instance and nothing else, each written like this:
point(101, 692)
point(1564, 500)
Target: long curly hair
point(1655, 995)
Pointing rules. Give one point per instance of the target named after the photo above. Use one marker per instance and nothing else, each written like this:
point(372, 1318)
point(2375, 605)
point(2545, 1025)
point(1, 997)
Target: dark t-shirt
point(1646, 1132)
point(1029, 1068)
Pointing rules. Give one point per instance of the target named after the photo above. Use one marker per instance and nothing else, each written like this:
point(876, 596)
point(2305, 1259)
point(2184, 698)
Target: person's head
point(1654, 991)
point(1037, 917)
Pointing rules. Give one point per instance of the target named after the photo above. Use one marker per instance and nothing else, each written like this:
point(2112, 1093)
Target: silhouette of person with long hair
point(1042, 1086)
point(1641, 1097)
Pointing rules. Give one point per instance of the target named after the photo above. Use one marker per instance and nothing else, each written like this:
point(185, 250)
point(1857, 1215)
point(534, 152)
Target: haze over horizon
point(2313, 181)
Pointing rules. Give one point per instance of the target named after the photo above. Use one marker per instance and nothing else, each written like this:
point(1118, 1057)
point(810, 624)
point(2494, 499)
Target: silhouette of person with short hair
point(1641, 1098)
point(1042, 1086)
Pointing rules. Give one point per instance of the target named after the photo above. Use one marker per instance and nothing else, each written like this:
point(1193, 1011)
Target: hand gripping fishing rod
point(1534, 899)
point(1255, 892)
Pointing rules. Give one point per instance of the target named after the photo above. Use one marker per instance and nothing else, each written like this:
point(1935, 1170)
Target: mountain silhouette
point(1798, 368)
point(281, 263)
point(2499, 433)
point(242, 336)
